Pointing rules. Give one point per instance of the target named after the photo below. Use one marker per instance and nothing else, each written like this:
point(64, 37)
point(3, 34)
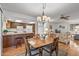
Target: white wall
point(36, 28)
point(56, 24)
point(75, 21)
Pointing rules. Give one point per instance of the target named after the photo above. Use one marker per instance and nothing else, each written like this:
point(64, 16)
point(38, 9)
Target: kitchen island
point(9, 39)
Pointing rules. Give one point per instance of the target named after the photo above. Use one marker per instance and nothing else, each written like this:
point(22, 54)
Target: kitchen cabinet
point(10, 39)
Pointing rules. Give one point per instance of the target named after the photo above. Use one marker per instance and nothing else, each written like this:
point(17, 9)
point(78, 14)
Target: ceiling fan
point(64, 17)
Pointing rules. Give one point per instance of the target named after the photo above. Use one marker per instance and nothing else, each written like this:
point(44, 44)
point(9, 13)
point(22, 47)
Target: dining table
point(40, 42)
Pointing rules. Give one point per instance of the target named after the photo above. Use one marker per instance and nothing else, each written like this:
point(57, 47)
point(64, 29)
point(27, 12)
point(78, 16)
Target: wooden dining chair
point(32, 51)
point(52, 47)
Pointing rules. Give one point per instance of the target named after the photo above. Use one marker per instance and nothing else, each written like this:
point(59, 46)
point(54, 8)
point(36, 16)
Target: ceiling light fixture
point(31, 22)
point(43, 17)
point(18, 21)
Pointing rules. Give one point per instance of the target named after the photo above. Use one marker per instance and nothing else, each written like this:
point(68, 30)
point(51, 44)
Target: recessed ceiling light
point(31, 22)
point(10, 19)
point(18, 21)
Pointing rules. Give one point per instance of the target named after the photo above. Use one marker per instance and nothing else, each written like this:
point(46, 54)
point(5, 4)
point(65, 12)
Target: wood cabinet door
point(6, 41)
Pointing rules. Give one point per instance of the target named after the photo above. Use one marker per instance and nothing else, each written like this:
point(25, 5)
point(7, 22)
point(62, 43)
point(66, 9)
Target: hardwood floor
point(74, 50)
point(12, 51)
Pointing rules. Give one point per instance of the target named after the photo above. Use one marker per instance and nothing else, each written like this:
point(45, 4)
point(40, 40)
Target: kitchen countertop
point(13, 33)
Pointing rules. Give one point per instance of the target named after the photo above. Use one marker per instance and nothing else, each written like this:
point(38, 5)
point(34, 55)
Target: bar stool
point(18, 41)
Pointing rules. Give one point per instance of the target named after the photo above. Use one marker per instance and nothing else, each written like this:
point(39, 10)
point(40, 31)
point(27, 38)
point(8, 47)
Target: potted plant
point(5, 31)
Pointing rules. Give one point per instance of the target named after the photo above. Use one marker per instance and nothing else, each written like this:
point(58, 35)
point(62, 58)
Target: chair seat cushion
point(48, 47)
point(33, 49)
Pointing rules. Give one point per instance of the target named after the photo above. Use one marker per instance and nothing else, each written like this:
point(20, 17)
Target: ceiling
point(53, 10)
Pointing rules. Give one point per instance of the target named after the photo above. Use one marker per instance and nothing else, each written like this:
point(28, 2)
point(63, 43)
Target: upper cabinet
point(20, 26)
point(10, 24)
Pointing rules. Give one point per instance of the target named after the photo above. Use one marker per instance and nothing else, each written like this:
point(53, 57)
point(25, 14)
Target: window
point(29, 28)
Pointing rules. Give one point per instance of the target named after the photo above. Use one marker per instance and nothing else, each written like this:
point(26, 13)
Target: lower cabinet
point(11, 40)
point(6, 41)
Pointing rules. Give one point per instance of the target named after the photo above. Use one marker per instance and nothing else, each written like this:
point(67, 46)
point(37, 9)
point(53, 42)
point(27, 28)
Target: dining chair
point(52, 47)
point(37, 36)
point(29, 49)
point(65, 38)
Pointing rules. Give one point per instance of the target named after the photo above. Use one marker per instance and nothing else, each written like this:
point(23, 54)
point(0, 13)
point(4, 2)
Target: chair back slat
point(55, 42)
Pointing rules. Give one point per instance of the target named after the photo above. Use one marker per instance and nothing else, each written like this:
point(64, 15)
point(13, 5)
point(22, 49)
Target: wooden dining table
point(39, 42)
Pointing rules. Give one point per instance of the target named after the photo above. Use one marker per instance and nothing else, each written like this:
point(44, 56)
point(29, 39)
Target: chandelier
point(43, 17)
